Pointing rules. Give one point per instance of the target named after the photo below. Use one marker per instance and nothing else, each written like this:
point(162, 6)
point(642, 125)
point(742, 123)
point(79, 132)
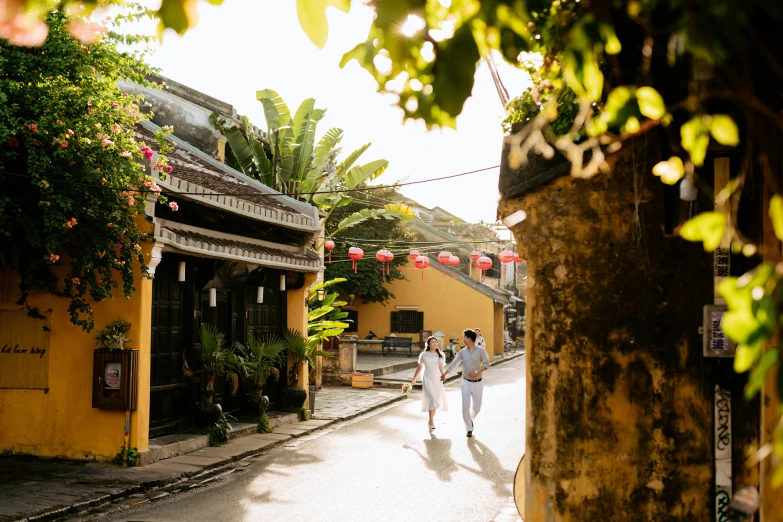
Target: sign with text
point(24, 350)
point(716, 343)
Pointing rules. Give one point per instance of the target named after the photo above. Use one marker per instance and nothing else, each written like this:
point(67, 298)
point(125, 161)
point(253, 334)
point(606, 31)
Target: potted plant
point(262, 357)
point(112, 337)
point(302, 350)
point(217, 361)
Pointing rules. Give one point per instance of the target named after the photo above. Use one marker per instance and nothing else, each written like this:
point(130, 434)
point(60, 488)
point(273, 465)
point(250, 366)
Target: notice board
point(24, 350)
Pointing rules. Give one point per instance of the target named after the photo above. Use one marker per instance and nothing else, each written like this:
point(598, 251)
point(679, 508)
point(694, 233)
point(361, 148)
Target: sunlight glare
point(413, 25)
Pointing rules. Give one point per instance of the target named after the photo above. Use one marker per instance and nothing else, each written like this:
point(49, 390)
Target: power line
point(259, 194)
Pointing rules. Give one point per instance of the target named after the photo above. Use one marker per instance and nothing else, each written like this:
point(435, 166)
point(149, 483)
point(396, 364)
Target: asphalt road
point(383, 466)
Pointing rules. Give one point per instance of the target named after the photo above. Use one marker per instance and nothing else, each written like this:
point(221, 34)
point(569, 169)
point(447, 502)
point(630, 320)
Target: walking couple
point(475, 361)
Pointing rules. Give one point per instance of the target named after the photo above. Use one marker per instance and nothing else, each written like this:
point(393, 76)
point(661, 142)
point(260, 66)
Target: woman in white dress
point(433, 363)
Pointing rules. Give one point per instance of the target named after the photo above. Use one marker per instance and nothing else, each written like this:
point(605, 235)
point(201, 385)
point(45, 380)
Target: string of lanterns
point(422, 262)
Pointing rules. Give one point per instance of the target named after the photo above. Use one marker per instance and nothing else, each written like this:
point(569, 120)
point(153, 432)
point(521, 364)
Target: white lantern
point(213, 297)
point(282, 283)
point(260, 295)
point(181, 276)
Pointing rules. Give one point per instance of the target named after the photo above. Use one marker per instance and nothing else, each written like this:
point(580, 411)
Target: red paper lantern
point(414, 254)
point(454, 261)
point(384, 256)
point(518, 259)
point(355, 254)
point(329, 245)
point(506, 256)
point(443, 259)
point(475, 255)
point(422, 262)
point(484, 263)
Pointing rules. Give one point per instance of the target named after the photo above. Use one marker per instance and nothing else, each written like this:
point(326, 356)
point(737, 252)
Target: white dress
point(434, 395)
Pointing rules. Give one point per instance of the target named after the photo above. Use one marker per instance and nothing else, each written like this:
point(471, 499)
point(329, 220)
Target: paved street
point(381, 466)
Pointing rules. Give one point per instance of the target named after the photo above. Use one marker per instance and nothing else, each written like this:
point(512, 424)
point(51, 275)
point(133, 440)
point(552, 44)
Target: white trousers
point(474, 391)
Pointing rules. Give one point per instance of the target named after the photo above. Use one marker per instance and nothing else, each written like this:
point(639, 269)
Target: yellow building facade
point(449, 305)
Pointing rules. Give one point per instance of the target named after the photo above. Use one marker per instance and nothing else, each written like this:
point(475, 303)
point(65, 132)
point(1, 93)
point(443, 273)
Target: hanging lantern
point(473, 257)
point(385, 258)
point(413, 255)
point(329, 245)
point(506, 256)
point(355, 254)
point(181, 271)
point(443, 259)
point(454, 261)
point(422, 262)
point(483, 263)
point(518, 260)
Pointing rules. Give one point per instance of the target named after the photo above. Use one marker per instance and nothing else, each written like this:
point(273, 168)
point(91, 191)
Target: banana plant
point(292, 162)
point(325, 319)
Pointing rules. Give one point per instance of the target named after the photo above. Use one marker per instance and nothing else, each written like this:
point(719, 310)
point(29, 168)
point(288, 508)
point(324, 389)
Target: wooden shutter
point(395, 321)
point(419, 321)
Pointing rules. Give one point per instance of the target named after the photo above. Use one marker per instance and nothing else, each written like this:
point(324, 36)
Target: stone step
point(168, 446)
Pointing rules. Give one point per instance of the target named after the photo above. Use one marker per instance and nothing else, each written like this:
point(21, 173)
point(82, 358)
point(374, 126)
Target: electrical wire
point(261, 194)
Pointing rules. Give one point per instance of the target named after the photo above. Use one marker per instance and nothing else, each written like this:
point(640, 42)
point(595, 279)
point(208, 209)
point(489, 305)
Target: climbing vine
point(74, 181)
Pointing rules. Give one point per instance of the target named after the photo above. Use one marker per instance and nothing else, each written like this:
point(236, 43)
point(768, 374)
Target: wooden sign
point(24, 350)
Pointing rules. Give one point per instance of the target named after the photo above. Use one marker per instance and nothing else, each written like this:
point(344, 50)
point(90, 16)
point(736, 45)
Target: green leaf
point(776, 215)
point(650, 103)
point(454, 73)
point(707, 227)
point(695, 139)
point(759, 374)
point(746, 356)
point(326, 144)
point(342, 5)
point(670, 171)
point(399, 211)
point(275, 110)
point(366, 173)
point(241, 150)
point(724, 130)
point(312, 18)
point(179, 15)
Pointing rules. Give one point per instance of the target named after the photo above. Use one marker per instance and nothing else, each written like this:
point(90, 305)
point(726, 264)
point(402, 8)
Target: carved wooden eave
point(185, 239)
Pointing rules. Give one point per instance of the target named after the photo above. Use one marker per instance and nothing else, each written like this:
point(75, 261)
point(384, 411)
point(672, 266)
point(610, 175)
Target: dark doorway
point(169, 390)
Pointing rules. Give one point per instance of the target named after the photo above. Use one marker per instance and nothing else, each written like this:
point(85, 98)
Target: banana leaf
point(358, 175)
point(275, 110)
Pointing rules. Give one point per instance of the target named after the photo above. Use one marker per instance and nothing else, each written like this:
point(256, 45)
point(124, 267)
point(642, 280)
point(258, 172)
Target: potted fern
point(263, 357)
point(302, 350)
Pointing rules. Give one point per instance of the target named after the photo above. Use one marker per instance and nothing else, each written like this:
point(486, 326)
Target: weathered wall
point(61, 422)
point(449, 306)
point(619, 414)
point(297, 319)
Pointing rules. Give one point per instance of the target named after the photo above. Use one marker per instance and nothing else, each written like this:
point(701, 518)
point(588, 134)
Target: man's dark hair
point(470, 334)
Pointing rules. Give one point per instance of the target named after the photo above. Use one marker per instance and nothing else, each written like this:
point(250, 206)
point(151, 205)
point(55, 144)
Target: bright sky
point(246, 45)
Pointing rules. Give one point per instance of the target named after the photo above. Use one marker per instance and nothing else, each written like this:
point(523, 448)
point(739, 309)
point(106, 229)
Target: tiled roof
point(197, 179)
point(216, 245)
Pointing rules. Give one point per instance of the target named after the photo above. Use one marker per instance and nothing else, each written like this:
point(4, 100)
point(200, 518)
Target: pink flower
point(36, 143)
point(103, 181)
point(137, 247)
point(12, 142)
point(125, 154)
point(33, 128)
point(71, 223)
point(130, 198)
point(98, 125)
point(76, 281)
point(160, 166)
point(70, 132)
point(116, 128)
point(63, 144)
point(147, 152)
point(169, 169)
point(89, 104)
point(54, 258)
point(168, 129)
point(106, 142)
point(152, 186)
point(86, 32)
point(114, 105)
point(173, 206)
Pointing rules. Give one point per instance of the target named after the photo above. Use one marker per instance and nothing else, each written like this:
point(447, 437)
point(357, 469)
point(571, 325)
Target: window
point(353, 315)
point(407, 321)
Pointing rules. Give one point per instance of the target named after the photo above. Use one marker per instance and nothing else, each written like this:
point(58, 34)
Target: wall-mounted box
point(114, 379)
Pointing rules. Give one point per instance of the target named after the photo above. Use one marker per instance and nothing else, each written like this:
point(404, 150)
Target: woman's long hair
point(427, 346)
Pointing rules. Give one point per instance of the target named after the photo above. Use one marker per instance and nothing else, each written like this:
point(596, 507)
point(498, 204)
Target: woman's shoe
point(432, 426)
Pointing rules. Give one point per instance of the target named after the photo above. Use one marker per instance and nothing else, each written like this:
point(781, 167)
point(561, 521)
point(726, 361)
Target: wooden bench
point(397, 342)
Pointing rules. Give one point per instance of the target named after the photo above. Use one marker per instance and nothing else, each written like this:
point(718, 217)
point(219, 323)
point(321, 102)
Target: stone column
point(618, 409)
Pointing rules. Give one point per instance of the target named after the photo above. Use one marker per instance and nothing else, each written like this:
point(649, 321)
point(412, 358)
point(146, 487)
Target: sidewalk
point(39, 490)
point(401, 377)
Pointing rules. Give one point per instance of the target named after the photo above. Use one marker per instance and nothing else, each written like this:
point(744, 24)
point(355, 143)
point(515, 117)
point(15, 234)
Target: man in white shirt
point(475, 361)
point(480, 342)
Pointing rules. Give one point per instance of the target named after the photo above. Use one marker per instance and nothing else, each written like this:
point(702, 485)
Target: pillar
point(619, 417)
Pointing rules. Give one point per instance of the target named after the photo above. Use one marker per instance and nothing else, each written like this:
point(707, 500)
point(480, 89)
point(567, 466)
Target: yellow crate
point(361, 380)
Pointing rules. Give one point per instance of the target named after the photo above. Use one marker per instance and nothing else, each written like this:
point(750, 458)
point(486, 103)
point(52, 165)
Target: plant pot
point(312, 399)
point(256, 403)
point(210, 414)
point(294, 397)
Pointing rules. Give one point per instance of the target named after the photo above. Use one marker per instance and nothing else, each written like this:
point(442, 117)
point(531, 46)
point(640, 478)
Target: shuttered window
point(407, 321)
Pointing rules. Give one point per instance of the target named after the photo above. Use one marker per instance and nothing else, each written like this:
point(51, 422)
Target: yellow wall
point(297, 318)
point(449, 306)
point(62, 422)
